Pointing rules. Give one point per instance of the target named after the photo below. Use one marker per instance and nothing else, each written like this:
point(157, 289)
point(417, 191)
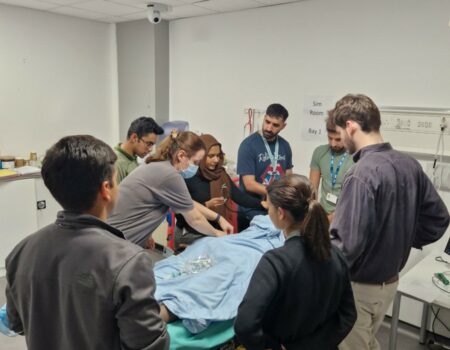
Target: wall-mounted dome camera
point(154, 11)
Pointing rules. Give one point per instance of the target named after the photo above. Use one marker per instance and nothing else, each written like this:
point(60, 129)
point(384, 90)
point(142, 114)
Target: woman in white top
point(149, 191)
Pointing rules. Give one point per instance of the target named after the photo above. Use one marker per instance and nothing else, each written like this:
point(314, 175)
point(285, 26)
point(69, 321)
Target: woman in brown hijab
point(212, 187)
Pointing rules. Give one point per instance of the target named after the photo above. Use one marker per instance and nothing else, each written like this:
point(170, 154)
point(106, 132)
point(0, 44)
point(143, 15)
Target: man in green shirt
point(330, 163)
point(141, 137)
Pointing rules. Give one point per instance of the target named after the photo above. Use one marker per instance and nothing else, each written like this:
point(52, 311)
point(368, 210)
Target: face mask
point(189, 172)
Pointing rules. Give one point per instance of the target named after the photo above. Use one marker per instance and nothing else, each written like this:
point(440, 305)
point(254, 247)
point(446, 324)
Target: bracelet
point(216, 220)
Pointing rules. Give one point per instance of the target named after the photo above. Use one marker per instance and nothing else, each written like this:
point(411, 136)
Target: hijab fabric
point(219, 181)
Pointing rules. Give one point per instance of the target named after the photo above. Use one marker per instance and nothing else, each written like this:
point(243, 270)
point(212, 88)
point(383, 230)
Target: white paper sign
point(315, 112)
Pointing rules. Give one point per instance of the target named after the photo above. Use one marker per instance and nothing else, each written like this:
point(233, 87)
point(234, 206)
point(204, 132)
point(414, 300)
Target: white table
point(417, 284)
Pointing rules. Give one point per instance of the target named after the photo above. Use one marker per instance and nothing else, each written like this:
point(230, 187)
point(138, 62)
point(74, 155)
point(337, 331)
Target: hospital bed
point(204, 285)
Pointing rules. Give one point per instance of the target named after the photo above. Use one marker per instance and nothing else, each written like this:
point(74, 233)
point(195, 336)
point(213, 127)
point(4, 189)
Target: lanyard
point(272, 156)
point(334, 175)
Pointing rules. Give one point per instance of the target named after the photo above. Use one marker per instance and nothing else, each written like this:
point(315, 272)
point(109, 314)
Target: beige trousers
point(372, 302)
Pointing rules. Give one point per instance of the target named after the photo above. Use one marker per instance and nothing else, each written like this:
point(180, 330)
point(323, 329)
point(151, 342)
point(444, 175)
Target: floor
point(407, 337)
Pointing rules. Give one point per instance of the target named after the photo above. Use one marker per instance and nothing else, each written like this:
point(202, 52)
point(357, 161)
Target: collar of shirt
point(129, 156)
point(293, 234)
point(379, 147)
point(73, 219)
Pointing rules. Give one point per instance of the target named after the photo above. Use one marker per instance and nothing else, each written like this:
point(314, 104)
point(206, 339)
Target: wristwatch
point(216, 220)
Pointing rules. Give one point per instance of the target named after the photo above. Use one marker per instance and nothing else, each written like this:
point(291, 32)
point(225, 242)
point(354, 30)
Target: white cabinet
point(19, 215)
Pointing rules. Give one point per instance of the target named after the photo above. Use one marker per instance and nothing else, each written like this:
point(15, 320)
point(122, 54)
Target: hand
point(226, 226)
point(330, 217)
point(220, 233)
point(265, 205)
point(150, 244)
point(215, 202)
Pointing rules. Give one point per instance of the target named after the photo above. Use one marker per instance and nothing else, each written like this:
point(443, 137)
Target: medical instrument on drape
point(223, 192)
point(441, 259)
point(441, 280)
point(226, 195)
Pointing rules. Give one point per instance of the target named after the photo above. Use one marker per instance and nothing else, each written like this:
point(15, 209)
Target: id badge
point(331, 198)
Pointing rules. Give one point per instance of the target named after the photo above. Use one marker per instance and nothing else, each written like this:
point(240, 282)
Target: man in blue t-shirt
point(263, 157)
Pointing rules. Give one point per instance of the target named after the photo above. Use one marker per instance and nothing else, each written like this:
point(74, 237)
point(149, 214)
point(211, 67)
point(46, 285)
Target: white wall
point(143, 65)
point(136, 69)
point(397, 52)
point(58, 76)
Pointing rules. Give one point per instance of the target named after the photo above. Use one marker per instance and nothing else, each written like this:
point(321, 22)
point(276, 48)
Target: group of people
point(88, 282)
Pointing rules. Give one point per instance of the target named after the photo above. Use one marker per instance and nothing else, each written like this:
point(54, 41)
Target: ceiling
point(114, 11)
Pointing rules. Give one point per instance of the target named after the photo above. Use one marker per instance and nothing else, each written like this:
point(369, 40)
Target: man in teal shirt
point(141, 137)
point(330, 163)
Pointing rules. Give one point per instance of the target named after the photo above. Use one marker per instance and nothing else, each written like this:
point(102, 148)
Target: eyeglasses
point(149, 144)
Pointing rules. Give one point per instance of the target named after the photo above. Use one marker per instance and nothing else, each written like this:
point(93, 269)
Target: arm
point(263, 286)
point(314, 172)
point(251, 185)
point(433, 217)
point(243, 199)
point(335, 329)
point(137, 311)
point(14, 321)
point(212, 215)
point(346, 314)
point(351, 232)
point(330, 217)
point(198, 218)
point(314, 177)
point(246, 168)
point(289, 164)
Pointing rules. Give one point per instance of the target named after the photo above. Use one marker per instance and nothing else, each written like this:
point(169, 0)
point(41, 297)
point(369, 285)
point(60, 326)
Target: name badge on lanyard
point(330, 196)
point(272, 156)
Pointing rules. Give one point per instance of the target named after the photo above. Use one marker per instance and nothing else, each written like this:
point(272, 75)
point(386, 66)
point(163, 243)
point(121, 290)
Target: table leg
point(394, 322)
point(424, 323)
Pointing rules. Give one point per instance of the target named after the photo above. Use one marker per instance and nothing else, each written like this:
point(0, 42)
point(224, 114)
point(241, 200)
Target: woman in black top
point(212, 187)
point(300, 296)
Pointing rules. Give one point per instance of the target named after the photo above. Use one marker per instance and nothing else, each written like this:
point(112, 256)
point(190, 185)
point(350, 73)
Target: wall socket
point(440, 176)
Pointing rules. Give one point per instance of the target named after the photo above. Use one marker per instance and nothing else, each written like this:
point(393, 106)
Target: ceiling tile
point(142, 4)
point(276, 2)
point(75, 12)
point(187, 11)
point(111, 19)
point(106, 7)
point(133, 16)
point(64, 2)
point(193, 1)
point(34, 4)
point(228, 5)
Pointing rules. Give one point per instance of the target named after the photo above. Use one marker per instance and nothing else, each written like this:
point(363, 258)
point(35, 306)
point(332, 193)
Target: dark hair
point(360, 109)
point(295, 194)
point(143, 126)
point(187, 141)
point(277, 110)
point(75, 167)
point(329, 122)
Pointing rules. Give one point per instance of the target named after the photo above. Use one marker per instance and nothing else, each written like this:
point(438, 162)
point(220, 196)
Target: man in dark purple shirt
point(387, 206)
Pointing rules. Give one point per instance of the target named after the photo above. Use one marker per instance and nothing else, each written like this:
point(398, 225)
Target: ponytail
point(162, 151)
point(314, 229)
point(295, 194)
